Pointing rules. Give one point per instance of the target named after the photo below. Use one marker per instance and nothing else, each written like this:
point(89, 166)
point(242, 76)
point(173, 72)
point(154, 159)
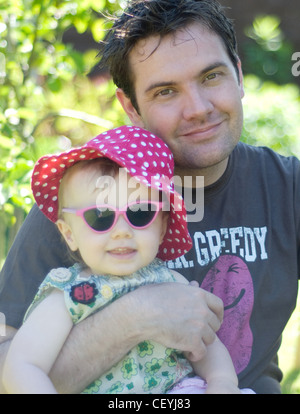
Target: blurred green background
point(52, 96)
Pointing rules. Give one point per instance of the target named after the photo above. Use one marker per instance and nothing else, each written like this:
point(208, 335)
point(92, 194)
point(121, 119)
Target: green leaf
point(54, 84)
point(97, 29)
point(6, 143)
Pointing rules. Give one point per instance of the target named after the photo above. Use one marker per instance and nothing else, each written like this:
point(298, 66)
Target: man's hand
point(183, 317)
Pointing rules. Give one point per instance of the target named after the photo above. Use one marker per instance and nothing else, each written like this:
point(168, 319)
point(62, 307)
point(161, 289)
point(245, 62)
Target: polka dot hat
point(144, 156)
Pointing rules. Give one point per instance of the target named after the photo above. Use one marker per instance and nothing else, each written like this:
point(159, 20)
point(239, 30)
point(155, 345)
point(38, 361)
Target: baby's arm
point(216, 367)
point(35, 347)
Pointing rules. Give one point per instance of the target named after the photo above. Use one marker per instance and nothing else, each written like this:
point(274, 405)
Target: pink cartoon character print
point(229, 278)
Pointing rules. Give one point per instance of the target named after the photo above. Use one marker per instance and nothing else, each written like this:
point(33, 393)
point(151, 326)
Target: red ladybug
point(84, 293)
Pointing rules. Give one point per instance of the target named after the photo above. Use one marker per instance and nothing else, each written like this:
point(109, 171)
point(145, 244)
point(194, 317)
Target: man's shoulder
point(259, 150)
point(265, 157)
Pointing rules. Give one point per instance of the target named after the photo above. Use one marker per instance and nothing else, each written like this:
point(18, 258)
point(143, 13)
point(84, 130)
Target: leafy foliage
point(267, 53)
point(46, 98)
point(271, 115)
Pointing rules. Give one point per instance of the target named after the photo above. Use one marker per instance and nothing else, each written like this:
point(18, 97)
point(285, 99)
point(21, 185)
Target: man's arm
point(181, 317)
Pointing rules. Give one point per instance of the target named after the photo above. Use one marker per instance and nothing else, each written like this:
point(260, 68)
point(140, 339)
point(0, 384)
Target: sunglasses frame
point(118, 212)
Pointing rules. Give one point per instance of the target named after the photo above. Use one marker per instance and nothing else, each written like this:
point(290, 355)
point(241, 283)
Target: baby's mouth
point(122, 251)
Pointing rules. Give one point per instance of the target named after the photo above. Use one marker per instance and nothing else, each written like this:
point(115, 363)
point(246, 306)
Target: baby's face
point(122, 249)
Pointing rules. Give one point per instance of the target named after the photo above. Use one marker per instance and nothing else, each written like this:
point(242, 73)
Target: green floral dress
point(149, 368)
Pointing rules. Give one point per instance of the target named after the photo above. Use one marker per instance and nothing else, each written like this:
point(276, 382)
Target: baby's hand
point(222, 386)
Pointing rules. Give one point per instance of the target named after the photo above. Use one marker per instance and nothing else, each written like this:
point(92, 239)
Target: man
point(181, 78)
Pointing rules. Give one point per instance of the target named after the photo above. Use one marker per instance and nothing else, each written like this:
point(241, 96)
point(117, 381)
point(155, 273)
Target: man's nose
point(197, 103)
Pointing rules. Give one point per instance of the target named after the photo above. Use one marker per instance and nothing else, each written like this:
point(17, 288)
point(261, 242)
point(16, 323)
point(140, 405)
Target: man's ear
point(130, 110)
point(241, 79)
point(67, 233)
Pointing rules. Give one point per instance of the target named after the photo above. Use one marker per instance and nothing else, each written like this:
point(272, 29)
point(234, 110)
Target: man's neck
point(188, 177)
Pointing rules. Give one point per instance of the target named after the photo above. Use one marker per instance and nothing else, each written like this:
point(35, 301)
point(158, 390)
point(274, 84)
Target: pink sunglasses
point(102, 218)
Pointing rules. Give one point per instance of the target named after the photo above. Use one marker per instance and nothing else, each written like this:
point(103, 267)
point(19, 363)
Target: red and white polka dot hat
point(144, 156)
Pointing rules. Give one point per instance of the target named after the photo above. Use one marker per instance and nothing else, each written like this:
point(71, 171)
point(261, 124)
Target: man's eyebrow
point(214, 66)
point(207, 69)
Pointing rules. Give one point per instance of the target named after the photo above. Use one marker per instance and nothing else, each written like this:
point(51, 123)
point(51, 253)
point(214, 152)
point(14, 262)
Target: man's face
point(188, 93)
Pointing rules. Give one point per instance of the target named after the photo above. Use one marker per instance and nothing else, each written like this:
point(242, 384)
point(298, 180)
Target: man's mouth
point(202, 132)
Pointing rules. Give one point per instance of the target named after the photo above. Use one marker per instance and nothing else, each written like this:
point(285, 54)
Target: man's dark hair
point(144, 18)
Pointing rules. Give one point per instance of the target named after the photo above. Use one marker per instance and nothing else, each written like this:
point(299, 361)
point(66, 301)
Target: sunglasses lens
point(141, 215)
point(99, 220)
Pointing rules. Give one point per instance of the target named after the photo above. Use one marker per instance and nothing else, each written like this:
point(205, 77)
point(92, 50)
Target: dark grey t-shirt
point(246, 250)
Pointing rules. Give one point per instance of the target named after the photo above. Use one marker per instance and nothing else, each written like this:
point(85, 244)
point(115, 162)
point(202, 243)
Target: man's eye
point(212, 76)
point(165, 92)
